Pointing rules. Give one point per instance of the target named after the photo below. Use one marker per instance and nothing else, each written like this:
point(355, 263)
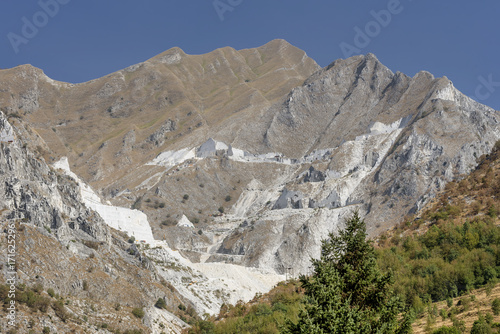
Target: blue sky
point(86, 39)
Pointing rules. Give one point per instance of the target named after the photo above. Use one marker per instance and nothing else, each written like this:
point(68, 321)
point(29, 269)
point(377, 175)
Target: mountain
point(229, 168)
point(61, 244)
point(443, 263)
point(171, 100)
point(358, 136)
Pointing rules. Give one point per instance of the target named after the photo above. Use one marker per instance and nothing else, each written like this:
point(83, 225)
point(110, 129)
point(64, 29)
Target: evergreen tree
point(481, 326)
point(347, 292)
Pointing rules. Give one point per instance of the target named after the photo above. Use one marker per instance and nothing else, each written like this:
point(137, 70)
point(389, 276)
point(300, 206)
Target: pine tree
point(347, 292)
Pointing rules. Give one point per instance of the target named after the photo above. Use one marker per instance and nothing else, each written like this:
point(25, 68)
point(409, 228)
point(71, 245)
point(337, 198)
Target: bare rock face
point(388, 144)
point(158, 137)
point(33, 192)
point(289, 199)
point(64, 245)
point(442, 132)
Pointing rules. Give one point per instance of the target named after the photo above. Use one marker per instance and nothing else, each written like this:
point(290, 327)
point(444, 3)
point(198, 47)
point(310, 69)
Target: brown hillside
point(108, 125)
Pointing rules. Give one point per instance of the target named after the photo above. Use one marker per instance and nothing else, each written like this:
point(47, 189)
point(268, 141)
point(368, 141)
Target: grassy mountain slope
point(109, 125)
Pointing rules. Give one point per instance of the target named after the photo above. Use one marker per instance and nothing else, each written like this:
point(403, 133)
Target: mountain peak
point(280, 46)
point(424, 75)
point(371, 56)
point(171, 56)
point(278, 42)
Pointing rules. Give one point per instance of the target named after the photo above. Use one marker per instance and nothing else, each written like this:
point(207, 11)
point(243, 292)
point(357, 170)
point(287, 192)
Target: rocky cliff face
point(64, 245)
point(33, 192)
point(440, 132)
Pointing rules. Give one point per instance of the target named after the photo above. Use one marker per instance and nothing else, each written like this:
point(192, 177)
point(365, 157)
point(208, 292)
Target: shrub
point(489, 287)
point(480, 326)
point(203, 326)
point(51, 292)
point(160, 303)
point(42, 304)
point(228, 198)
point(492, 212)
point(447, 330)
point(262, 310)
point(476, 207)
point(60, 310)
point(138, 312)
point(443, 314)
point(38, 288)
point(137, 204)
point(46, 330)
point(14, 115)
point(465, 303)
point(4, 292)
point(221, 209)
point(185, 197)
point(495, 306)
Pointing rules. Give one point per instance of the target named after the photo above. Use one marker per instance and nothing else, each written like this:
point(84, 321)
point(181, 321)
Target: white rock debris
point(133, 222)
point(207, 285)
point(210, 285)
point(172, 158)
point(184, 222)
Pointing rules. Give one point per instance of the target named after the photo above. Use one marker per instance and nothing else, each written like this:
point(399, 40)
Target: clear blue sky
point(86, 39)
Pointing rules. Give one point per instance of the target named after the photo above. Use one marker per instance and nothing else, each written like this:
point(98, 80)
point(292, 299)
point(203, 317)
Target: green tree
point(495, 306)
point(347, 292)
point(480, 326)
point(447, 330)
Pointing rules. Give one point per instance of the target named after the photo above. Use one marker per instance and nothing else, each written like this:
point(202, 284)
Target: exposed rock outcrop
point(33, 192)
point(63, 245)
